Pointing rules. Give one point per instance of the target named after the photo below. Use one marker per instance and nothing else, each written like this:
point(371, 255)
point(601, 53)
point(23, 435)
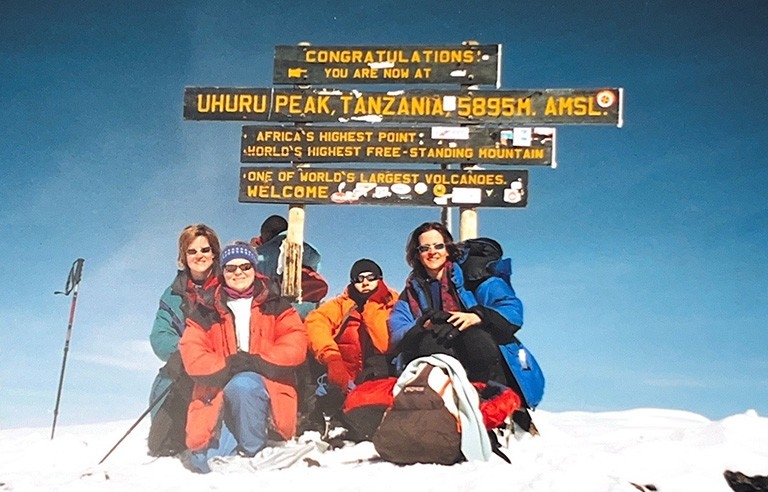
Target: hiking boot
point(309, 423)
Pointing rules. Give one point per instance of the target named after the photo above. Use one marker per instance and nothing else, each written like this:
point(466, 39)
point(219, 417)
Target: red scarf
point(233, 294)
point(201, 293)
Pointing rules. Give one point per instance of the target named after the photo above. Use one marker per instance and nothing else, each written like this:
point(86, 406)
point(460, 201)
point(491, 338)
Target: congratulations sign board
point(511, 107)
point(470, 64)
point(369, 143)
point(414, 187)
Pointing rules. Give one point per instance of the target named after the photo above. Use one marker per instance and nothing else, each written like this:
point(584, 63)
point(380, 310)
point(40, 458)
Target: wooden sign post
point(293, 250)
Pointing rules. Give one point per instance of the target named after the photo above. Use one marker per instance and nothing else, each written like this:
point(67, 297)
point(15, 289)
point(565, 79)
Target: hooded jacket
point(334, 328)
point(277, 336)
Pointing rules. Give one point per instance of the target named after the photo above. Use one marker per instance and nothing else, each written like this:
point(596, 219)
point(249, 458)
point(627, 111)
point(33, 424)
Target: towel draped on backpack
point(464, 402)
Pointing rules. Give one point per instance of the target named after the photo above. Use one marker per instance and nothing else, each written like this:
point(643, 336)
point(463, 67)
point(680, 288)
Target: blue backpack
point(482, 258)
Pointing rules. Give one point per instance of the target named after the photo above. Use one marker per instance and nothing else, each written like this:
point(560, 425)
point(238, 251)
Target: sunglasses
point(366, 276)
point(193, 252)
point(233, 268)
point(426, 247)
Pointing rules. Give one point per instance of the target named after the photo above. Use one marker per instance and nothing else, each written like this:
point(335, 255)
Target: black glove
point(442, 330)
point(444, 333)
point(440, 317)
point(174, 367)
point(375, 366)
point(413, 335)
point(425, 316)
point(242, 362)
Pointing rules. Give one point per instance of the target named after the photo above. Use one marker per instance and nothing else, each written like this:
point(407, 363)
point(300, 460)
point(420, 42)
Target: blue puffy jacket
point(494, 300)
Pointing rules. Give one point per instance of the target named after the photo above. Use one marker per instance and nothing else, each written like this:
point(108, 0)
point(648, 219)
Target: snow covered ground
point(577, 451)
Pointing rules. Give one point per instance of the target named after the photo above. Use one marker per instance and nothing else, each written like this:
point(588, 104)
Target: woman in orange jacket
point(241, 352)
point(348, 334)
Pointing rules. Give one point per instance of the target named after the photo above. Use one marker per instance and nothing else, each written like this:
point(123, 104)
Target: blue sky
point(640, 259)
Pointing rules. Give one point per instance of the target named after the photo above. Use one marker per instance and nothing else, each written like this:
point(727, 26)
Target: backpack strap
point(422, 378)
point(445, 386)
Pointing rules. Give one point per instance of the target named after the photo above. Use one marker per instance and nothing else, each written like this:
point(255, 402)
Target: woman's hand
point(462, 320)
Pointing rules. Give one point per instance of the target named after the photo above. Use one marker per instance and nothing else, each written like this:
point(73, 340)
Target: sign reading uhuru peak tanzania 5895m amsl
point(515, 107)
point(468, 64)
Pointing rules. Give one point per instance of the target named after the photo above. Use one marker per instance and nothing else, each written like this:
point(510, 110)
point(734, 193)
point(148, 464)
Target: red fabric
point(201, 293)
point(496, 409)
point(313, 286)
point(379, 392)
point(256, 241)
point(337, 373)
point(373, 392)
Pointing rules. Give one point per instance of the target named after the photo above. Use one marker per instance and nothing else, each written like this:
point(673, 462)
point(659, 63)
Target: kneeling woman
point(241, 352)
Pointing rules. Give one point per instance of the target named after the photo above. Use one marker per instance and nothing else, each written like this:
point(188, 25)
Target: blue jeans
point(244, 427)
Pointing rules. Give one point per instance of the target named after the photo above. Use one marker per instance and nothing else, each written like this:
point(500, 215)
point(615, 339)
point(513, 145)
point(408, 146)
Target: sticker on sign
point(467, 195)
point(450, 132)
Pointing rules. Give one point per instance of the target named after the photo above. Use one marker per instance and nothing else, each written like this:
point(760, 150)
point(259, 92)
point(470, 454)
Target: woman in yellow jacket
point(348, 335)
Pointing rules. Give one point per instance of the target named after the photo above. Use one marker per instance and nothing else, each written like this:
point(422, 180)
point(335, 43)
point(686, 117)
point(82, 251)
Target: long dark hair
point(412, 256)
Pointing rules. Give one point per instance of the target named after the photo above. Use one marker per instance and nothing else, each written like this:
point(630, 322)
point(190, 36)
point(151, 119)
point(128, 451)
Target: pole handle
point(73, 279)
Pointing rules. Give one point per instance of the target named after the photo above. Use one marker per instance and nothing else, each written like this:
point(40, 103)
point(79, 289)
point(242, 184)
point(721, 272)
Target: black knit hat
point(364, 265)
point(272, 226)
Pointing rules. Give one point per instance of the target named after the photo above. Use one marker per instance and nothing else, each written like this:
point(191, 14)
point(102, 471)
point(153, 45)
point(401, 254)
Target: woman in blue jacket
point(439, 313)
point(198, 276)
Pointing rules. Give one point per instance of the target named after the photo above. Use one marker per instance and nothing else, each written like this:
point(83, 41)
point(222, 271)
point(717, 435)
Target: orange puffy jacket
point(325, 323)
point(277, 335)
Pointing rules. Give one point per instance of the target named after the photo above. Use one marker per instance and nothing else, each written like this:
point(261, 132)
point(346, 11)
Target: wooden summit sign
point(414, 187)
point(515, 107)
point(465, 64)
point(396, 144)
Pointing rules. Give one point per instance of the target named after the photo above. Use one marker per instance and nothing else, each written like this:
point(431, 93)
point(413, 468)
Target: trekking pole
point(73, 282)
point(141, 417)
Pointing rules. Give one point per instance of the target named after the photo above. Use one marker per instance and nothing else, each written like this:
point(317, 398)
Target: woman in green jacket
point(197, 278)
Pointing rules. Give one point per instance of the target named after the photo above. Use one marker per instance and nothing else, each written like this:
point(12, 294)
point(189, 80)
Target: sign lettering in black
point(513, 107)
point(414, 187)
point(436, 144)
point(466, 64)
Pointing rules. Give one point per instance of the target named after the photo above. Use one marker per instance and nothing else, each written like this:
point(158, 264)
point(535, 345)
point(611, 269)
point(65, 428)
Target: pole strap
point(73, 279)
